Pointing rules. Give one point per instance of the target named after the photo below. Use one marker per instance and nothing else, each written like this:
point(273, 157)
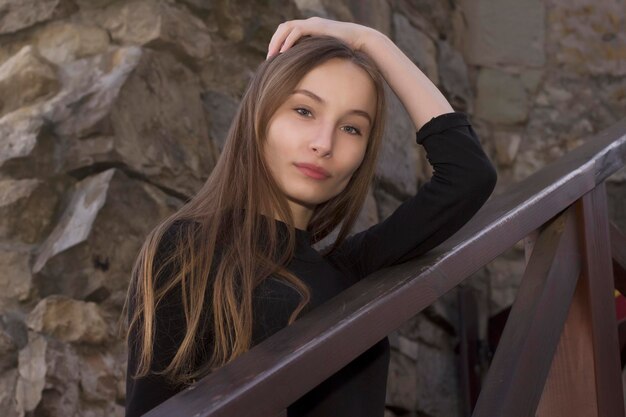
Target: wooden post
point(585, 376)
point(521, 363)
point(468, 349)
point(570, 389)
point(598, 277)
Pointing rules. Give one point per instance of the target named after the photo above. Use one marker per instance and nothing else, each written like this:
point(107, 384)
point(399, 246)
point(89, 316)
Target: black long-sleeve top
point(463, 179)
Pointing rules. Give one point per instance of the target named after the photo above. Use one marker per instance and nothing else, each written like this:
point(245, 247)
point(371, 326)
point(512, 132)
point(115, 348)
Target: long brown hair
point(218, 257)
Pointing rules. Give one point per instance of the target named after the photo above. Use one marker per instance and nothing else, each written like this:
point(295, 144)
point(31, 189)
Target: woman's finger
point(277, 38)
point(287, 33)
point(292, 37)
point(280, 35)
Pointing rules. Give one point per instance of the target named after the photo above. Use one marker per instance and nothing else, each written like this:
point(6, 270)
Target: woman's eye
point(301, 108)
point(357, 131)
point(297, 109)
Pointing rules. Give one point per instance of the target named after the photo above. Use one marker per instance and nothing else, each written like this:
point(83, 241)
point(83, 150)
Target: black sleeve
point(462, 181)
point(147, 392)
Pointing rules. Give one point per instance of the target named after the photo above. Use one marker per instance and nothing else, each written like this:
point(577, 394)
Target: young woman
point(235, 263)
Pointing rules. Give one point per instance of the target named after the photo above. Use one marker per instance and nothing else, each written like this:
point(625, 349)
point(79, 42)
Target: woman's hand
point(288, 32)
point(418, 94)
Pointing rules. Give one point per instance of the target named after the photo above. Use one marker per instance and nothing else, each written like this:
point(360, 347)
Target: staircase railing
point(559, 351)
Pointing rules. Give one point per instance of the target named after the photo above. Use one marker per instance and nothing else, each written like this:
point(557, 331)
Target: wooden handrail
point(301, 355)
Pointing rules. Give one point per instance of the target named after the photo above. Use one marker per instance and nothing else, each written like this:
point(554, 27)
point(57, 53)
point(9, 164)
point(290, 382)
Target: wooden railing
point(559, 351)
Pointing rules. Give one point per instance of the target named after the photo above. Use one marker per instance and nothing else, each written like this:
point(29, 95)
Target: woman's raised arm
point(421, 98)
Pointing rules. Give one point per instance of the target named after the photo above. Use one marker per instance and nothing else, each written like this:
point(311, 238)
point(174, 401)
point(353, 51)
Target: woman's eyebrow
point(322, 101)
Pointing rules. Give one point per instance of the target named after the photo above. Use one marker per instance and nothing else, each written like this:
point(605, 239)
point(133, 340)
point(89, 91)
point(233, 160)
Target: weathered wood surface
point(597, 274)
point(521, 363)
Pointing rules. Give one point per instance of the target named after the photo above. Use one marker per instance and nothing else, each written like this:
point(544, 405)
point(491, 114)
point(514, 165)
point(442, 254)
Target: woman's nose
point(323, 142)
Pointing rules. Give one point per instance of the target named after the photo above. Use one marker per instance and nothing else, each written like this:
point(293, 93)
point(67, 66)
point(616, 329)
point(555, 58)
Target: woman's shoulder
point(174, 235)
point(178, 239)
point(177, 227)
point(168, 243)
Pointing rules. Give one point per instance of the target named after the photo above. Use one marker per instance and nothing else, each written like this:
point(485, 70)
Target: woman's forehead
point(339, 84)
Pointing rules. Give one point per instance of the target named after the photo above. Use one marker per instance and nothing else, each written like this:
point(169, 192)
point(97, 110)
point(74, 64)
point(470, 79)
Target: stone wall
point(115, 107)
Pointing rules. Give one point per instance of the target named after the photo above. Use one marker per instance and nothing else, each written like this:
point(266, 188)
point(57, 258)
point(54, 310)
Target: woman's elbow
point(487, 180)
point(483, 184)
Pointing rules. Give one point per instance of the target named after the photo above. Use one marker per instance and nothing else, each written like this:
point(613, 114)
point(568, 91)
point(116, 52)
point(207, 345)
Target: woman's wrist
point(368, 38)
point(420, 97)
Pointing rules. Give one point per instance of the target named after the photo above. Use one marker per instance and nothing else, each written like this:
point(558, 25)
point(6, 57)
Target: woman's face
point(330, 131)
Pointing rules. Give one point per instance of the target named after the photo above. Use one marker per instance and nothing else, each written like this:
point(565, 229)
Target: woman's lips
point(311, 173)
